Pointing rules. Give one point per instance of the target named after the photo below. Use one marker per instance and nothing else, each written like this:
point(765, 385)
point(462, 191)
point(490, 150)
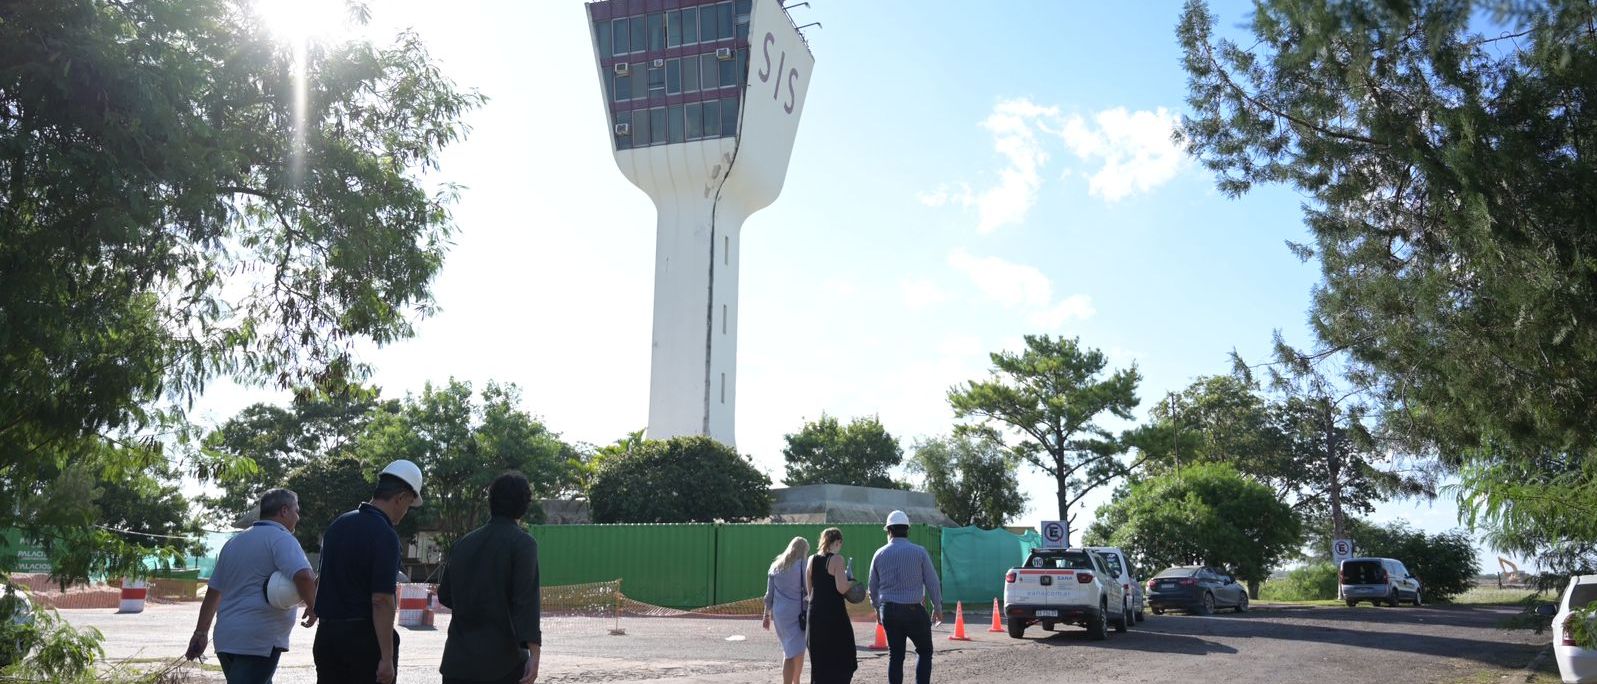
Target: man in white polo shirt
point(251, 634)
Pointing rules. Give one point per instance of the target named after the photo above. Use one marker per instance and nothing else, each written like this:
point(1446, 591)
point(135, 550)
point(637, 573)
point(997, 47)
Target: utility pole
point(1175, 417)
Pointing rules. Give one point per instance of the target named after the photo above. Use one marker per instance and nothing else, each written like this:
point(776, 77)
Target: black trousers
point(346, 652)
point(901, 621)
point(511, 678)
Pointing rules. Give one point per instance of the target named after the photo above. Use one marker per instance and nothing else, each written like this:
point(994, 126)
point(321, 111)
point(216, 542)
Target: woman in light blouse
point(784, 604)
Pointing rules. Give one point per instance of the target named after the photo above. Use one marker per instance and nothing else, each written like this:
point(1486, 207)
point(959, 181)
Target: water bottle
point(848, 568)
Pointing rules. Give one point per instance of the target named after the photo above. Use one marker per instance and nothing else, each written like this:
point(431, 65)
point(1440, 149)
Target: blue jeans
point(249, 669)
point(901, 621)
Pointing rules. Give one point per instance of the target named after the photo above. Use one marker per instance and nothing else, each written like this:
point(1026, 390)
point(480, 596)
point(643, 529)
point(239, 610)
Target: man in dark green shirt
point(491, 584)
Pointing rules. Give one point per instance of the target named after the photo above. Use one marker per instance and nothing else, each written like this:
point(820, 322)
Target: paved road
point(1364, 644)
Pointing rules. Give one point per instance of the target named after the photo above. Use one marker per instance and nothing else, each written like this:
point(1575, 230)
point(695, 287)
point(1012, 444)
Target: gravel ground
point(1269, 644)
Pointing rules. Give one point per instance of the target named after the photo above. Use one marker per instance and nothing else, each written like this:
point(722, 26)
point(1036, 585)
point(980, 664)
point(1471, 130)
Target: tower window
point(723, 319)
point(726, 250)
point(723, 388)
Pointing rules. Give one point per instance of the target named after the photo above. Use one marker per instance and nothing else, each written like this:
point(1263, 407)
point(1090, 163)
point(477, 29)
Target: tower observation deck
point(704, 99)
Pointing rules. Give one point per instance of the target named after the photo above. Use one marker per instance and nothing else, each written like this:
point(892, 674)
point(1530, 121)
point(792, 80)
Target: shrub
point(1309, 583)
point(683, 479)
point(1445, 563)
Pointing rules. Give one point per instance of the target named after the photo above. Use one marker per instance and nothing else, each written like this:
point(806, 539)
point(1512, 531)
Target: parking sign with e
point(1053, 535)
point(1341, 550)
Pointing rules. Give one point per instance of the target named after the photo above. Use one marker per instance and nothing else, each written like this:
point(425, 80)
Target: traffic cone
point(998, 625)
point(959, 623)
point(881, 638)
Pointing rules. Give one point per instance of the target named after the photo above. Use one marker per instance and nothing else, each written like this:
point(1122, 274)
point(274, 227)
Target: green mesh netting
point(975, 560)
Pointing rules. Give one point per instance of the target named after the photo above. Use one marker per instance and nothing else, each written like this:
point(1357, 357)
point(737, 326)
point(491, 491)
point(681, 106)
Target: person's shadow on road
point(1138, 641)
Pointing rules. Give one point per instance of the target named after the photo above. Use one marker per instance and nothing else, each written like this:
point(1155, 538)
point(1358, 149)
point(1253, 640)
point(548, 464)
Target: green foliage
point(682, 479)
point(1448, 178)
point(37, 645)
point(1201, 514)
point(327, 487)
point(588, 460)
point(1582, 625)
point(1445, 562)
point(1217, 419)
point(107, 511)
point(826, 452)
point(461, 446)
point(1051, 394)
point(273, 441)
point(972, 478)
point(1543, 505)
point(1313, 582)
point(160, 228)
point(1336, 455)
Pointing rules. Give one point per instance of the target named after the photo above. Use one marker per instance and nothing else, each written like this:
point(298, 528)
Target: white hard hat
point(897, 518)
point(410, 474)
point(281, 592)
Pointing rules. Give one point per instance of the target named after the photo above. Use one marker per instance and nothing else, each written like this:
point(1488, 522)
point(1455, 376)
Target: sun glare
point(300, 21)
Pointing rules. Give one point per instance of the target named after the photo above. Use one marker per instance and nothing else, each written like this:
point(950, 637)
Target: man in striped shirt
point(902, 578)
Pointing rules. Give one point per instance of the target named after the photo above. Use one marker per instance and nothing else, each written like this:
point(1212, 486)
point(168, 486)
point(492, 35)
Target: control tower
point(704, 100)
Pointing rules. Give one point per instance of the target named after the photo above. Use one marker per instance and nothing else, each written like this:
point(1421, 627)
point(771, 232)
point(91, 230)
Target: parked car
point(1073, 586)
point(1577, 665)
point(1120, 565)
point(1377, 580)
point(1195, 589)
point(16, 608)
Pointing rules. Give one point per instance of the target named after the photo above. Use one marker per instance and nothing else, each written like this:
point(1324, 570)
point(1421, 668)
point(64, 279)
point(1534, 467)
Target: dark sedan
point(1195, 589)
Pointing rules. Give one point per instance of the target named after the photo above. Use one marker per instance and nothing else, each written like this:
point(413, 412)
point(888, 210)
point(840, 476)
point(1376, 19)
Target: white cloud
point(921, 293)
point(1018, 286)
point(1014, 125)
point(1010, 284)
point(1125, 152)
point(1135, 149)
point(1076, 307)
point(840, 287)
point(958, 194)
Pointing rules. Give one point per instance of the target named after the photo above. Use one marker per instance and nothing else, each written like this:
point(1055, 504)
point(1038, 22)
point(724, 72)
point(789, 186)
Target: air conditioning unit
point(659, 64)
point(723, 53)
point(622, 68)
point(623, 129)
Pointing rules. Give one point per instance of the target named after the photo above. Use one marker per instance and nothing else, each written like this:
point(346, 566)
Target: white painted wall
point(703, 191)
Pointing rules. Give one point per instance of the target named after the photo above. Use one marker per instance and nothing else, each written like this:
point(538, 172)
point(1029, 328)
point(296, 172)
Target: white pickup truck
point(1072, 586)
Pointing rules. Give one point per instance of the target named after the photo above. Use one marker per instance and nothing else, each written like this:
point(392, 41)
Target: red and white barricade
point(133, 594)
point(416, 605)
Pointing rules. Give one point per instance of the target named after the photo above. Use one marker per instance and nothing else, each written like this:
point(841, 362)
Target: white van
point(1120, 564)
point(1377, 580)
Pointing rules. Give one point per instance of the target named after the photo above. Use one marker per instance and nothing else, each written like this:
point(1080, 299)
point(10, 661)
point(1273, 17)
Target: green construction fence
point(687, 566)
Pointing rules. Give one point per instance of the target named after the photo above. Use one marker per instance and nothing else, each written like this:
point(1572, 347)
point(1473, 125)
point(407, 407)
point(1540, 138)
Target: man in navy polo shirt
point(356, 602)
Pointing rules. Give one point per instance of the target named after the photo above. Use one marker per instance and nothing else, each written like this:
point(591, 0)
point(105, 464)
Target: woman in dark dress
point(830, 633)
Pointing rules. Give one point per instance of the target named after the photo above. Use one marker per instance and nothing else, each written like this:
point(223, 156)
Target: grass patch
point(1322, 603)
point(1492, 596)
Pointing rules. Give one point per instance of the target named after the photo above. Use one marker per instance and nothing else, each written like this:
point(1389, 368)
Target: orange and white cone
point(998, 624)
point(959, 623)
point(133, 593)
point(881, 638)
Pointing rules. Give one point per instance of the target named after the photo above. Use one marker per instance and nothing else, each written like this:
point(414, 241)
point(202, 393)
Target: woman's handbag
point(804, 615)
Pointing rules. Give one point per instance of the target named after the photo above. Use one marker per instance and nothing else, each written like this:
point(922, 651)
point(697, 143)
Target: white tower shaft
point(704, 99)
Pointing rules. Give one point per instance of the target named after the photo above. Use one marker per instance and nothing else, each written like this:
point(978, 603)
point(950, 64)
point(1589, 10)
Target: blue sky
point(965, 173)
